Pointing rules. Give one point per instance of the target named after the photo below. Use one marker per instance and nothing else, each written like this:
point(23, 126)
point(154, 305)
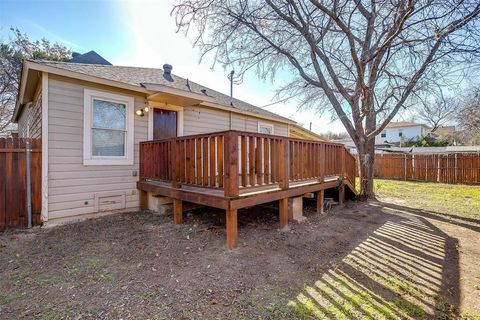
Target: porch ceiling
point(173, 99)
point(168, 95)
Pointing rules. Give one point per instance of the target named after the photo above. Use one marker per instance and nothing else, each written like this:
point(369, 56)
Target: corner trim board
point(44, 214)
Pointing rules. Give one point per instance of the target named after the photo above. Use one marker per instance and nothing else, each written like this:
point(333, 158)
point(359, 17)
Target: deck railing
point(232, 160)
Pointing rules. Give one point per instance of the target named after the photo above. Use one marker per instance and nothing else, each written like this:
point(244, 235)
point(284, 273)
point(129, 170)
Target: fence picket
point(443, 168)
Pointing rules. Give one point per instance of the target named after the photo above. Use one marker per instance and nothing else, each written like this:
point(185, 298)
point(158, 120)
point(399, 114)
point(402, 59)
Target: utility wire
point(271, 104)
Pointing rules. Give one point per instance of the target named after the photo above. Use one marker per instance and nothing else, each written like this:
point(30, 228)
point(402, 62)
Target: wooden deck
point(232, 170)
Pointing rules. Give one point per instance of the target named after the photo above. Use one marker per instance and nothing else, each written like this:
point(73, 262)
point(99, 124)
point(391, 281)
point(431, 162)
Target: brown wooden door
point(164, 124)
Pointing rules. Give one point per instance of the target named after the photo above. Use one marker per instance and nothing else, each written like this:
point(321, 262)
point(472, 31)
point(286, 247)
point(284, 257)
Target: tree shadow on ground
point(406, 269)
point(465, 222)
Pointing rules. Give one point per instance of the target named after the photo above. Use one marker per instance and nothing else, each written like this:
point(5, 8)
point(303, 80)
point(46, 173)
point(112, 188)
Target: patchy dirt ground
point(379, 260)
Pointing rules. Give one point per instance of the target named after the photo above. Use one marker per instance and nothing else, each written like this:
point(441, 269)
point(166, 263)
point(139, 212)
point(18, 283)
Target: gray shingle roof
point(400, 124)
point(90, 57)
point(137, 76)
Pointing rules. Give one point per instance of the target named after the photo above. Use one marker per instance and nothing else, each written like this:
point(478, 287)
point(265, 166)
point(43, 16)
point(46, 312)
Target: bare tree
point(361, 59)
point(12, 53)
point(468, 117)
point(437, 112)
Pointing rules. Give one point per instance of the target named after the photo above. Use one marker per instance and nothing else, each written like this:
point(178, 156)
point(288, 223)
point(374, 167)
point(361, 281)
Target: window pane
point(108, 142)
point(109, 115)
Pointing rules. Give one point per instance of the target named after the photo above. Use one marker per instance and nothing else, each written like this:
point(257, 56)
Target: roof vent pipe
point(167, 72)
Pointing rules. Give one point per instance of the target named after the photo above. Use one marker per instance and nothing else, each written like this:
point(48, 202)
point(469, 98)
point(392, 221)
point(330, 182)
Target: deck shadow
point(406, 268)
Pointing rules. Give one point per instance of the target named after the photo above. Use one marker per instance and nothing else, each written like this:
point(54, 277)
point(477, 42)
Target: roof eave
point(86, 77)
point(21, 91)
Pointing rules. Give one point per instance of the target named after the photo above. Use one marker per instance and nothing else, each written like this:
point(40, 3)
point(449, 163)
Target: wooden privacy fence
point(231, 160)
point(13, 182)
point(445, 168)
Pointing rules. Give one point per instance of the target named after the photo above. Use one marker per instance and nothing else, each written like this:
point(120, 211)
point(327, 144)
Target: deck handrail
point(232, 160)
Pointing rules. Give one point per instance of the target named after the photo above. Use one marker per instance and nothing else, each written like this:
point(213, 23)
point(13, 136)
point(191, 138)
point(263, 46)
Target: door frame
point(159, 105)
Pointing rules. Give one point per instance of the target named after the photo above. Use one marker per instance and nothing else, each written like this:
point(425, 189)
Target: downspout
point(28, 156)
point(29, 188)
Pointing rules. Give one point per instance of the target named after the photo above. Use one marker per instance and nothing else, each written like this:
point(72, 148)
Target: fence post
point(405, 167)
point(231, 164)
point(455, 169)
point(438, 167)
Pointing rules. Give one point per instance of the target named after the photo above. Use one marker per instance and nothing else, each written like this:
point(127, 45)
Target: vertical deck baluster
point(266, 160)
point(258, 160)
point(205, 161)
point(198, 162)
point(212, 162)
point(251, 160)
point(243, 161)
point(220, 161)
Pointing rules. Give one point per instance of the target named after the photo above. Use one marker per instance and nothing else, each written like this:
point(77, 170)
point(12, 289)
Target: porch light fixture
point(141, 112)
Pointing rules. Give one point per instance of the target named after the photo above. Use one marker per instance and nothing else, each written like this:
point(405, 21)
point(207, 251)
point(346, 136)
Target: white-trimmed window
point(108, 128)
point(265, 128)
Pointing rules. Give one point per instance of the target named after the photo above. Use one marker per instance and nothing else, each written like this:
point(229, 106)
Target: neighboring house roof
point(402, 124)
point(299, 132)
point(349, 143)
point(146, 77)
point(445, 130)
point(90, 57)
point(430, 150)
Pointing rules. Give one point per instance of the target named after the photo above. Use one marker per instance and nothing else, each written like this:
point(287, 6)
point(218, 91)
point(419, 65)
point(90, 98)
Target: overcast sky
point(140, 33)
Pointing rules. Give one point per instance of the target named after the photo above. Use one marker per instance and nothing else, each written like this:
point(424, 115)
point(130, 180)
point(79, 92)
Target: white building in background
point(402, 131)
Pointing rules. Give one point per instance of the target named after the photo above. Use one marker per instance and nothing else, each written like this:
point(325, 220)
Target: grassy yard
point(453, 200)
point(411, 255)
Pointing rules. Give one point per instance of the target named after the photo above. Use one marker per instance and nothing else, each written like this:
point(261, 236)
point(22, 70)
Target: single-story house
point(92, 117)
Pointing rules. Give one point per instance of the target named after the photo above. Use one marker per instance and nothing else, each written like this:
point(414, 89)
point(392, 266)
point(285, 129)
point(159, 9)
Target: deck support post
point(177, 211)
point(283, 213)
point(143, 195)
point(341, 194)
point(232, 231)
point(320, 201)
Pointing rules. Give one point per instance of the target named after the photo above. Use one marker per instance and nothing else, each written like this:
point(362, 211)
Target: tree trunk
point(366, 156)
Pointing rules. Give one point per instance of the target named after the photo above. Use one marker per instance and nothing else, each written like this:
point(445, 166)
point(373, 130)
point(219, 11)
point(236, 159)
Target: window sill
point(108, 162)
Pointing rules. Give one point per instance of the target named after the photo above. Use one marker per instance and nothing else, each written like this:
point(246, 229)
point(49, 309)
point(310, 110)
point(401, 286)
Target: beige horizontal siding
point(198, 120)
point(72, 186)
point(30, 121)
point(22, 123)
